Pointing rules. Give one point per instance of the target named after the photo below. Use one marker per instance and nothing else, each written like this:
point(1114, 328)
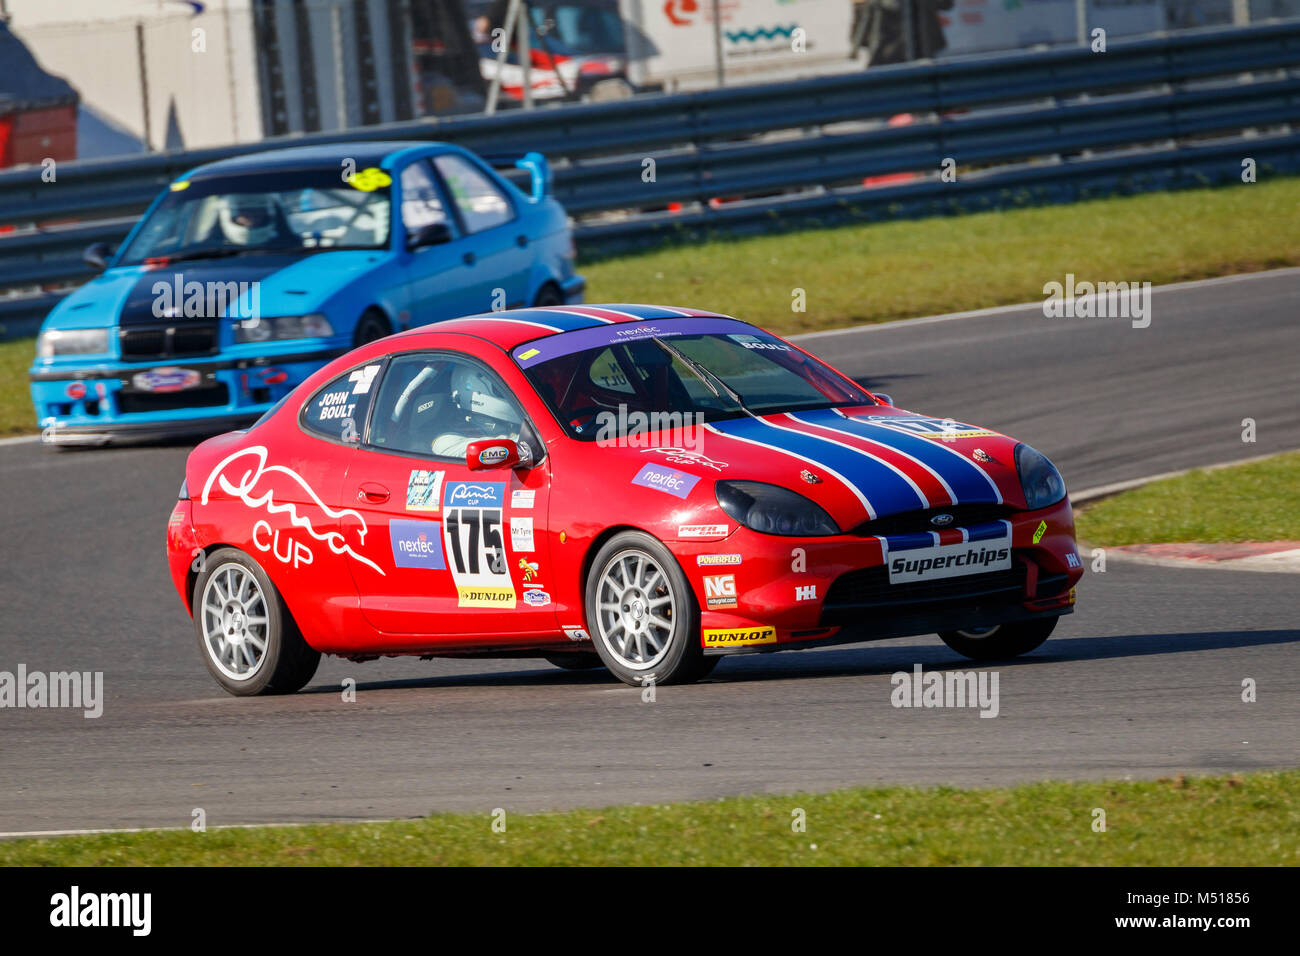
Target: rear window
point(339, 410)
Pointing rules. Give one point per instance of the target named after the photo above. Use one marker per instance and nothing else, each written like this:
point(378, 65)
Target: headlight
point(1039, 479)
point(72, 342)
point(772, 509)
point(286, 327)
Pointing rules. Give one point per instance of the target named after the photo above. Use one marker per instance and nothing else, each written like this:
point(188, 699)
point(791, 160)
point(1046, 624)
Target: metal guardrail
point(1038, 106)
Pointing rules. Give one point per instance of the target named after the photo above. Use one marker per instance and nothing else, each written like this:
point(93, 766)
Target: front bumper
point(102, 403)
point(574, 289)
point(778, 593)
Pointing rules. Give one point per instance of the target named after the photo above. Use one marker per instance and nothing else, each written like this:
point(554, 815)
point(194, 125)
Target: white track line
point(1021, 306)
point(45, 834)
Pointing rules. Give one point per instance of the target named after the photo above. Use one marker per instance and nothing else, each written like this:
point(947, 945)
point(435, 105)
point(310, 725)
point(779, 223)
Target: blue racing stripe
point(883, 487)
point(969, 482)
point(560, 321)
point(910, 542)
point(983, 532)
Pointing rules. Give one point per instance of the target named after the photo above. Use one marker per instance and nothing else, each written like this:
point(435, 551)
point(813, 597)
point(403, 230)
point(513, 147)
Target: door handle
point(372, 493)
point(521, 241)
point(469, 258)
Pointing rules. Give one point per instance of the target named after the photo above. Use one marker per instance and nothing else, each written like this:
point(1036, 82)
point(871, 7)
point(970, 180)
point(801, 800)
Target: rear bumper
point(125, 432)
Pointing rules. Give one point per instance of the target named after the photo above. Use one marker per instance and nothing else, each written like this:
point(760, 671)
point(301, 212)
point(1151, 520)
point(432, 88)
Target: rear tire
point(1001, 641)
point(371, 326)
point(641, 613)
point(247, 638)
point(548, 294)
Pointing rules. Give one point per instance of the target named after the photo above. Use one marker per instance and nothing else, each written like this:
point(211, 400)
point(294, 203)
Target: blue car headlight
point(772, 509)
point(72, 342)
point(313, 326)
point(1039, 479)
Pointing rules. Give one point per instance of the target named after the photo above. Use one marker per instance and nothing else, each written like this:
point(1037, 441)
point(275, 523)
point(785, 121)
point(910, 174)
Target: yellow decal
point(1040, 531)
point(529, 354)
point(473, 596)
point(740, 637)
point(179, 185)
point(368, 180)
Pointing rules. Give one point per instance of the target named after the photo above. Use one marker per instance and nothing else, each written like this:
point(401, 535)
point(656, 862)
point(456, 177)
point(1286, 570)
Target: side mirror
point(881, 396)
point(97, 254)
point(434, 234)
point(488, 453)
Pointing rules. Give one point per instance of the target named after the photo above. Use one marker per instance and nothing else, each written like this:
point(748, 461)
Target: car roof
point(364, 154)
point(513, 327)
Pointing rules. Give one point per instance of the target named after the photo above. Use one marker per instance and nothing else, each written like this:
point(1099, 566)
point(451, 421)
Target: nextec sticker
point(669, 480)
point(416, 544)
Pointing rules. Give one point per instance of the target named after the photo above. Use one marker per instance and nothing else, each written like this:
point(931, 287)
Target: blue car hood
point(285, 285)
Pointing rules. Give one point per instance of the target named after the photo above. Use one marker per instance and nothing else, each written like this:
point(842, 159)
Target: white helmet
point(474, 394)
point(247, 220)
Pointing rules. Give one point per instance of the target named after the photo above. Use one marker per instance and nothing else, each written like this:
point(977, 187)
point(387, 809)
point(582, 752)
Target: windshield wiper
point(705, 376)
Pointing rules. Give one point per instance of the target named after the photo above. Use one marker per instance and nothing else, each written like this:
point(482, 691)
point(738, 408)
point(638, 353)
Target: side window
point(481, 202)
point(421, 203)
point(606, 373)
point(339, 409)
point(436, 404)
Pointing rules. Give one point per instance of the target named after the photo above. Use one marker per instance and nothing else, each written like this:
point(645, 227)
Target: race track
point(1144, 680)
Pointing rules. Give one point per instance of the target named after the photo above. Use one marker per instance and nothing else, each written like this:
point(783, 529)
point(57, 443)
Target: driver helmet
point(247, 220)
point(474, 395)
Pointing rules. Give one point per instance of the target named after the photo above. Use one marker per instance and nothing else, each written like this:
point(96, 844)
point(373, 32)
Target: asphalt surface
point(1144, 680)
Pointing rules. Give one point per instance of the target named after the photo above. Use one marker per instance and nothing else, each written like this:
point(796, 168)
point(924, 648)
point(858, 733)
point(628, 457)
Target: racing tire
point(236, 609)
point(371, 326)
point(641, 613)
point(1000, 641)
point(583, 661)
point(548, 294)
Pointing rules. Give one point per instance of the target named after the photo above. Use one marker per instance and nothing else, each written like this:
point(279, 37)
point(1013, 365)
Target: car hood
point(858, 464)
point(271, 285)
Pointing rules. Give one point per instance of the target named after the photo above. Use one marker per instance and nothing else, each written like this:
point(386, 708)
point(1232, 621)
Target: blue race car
point(247, 275)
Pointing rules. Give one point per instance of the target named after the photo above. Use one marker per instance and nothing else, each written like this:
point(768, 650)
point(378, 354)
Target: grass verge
point(1207, 821)
point(1254, 502)
point(17, 417)
point(891, 270)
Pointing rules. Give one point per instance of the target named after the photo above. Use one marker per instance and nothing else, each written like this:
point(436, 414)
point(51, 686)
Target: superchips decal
point(423, 490)
point(740, 637)
point(472, 540)
point(252, 487)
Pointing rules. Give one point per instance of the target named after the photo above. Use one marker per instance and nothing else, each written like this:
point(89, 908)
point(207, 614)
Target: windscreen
point(708, 369)
point(271, 211)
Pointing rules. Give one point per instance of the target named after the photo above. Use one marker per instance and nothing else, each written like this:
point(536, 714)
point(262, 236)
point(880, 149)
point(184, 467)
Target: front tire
point(641, 613)
point(548, 295)
point(1000, 641)
point(247, 638)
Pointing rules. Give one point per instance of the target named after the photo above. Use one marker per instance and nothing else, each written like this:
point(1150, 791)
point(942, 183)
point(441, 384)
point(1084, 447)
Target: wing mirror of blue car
point(97, 254)
point(491, 453)
point(434, 234)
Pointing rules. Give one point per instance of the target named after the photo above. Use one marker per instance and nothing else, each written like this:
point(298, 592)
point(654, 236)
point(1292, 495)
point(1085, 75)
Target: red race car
point(642, 487)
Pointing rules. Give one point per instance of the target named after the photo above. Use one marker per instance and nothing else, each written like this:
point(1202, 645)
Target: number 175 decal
point(475, 549)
